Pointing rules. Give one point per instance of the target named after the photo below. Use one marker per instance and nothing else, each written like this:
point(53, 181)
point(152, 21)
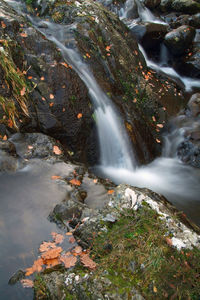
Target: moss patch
point(135, 253)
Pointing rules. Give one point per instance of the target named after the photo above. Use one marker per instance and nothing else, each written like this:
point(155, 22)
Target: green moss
point(40, 289)
point(159, 270)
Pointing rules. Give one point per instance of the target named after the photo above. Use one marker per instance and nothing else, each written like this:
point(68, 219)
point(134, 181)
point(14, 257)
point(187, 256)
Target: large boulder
point(186, 6)
point(152, 3)
point(180, 39)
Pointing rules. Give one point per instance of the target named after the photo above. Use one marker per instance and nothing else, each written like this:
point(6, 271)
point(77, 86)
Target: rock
point(16, 277)
point(152, 3)
point(186, 6)
point(194, 20)
point(8, 163)
point(165, 5)
point(178, 40)
point(194, 105)
point(192, 62)
point(153, 36)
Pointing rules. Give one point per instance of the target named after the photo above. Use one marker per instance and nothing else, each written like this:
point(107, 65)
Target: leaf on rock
point(110, 192)
point(69, 261)
point(57, 150)
point(54, 177)
point(36, 267)
point(58, 238)
point(78, 250)
point(22, 92)
point(88, 262)
point(79, 116)
point(45, 246)
point(75, 182)
point(23, 34)
point(27, 283)
point(5, 138)
point(68, 233)
point(52, 253)
point(51, 96)
point(72, 240)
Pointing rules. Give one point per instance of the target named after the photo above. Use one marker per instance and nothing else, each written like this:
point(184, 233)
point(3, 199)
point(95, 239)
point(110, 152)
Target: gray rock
point(186, 6)
point(178, 40)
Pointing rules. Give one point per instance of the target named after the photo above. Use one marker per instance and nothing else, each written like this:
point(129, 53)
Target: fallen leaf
point(88, 262)
point(155, 289)
point(78, 250)
point(51, 104)
point(54, 177)
point(52, 262)
point(75, 182)
point(58, 238)
point(57, 150)
point(79, 116)
point(169, 241)
point(160, 125)
point(23, 34)
point(72, 240)
point(154, 119)
point(158, 141)
point(52, 253)
point(68, 233)
point(108, 48)
point(27, 283)
point(95, 180)
point(110, 192)
point(51, 96)
point(88, 55)
point(30, 77)
point(30, 147)
point(22, 92)
point(69, 261)
point(5, 138)
point(64, 64)
point(3, 25)
point(45, 246)
point(36, 267)
point(42, 78)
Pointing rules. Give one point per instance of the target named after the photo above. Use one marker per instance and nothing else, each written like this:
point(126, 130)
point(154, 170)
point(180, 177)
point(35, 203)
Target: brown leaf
point(52, 253)
point(54, 177)
point(52, 262)
point(88, 262)
point(110, 192)
point(3, 25)
point(45, 246)
point(36, 267)
point(72, 240)
point(58, 238)
point(57, 150)
point(75, 182)
point(78, 250)
point(69, 261)
point(22, 92)
point(27, 283)
point(169, 241)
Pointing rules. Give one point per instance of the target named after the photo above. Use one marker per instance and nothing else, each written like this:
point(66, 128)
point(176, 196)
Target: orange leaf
point(10, 123)
point(68, 233)
point(79, 116)
point(52, 253)
point(30, 147)
point(75, 182)
point(58, 238)
point(23, 34)
point(36, 267)
point(22, 92)
point(57, 150)
point(78, 250)
point(69, 261)
point(3, 25)
point(54, 177)
point(42, 78)
point(160, 125)
point(51, 96)
point(64, 64)
point(30, 77)
point(5, 138)
point(95, 180)
point(88, 262)
point(158, 141)
point(51, 104)
point(154, 119)
point(52, 262)
point(110, 192)
point(88, 55)
point(45, 246)
point(27, 283)
point(108, 48)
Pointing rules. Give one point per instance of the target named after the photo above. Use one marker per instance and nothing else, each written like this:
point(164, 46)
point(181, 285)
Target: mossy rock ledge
point(144, 249)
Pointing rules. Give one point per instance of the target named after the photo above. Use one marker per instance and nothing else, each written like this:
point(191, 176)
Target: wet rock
point(186, 6)
point(194, 105)
point(192, 61)
point(8, 163)
point(16, 277)
point(152, 3)
point(8, 147)
point(165, 5)
point(178, 40)
point(194, 20)
point(189, 153)
point(35, 145)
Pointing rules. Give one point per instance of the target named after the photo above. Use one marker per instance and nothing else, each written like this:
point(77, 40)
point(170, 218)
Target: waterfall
point(115, 149)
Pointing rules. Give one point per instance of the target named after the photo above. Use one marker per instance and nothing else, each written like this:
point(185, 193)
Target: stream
point(35, 193)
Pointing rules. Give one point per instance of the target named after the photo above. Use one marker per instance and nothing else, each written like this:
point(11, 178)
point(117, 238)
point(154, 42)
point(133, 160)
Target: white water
point(115, 149)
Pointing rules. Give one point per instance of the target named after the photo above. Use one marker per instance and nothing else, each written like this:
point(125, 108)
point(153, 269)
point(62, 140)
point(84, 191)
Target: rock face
point(180, 39)
point(186, 6)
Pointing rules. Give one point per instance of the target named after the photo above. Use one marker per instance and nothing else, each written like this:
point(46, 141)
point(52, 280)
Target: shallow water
point(26, 198)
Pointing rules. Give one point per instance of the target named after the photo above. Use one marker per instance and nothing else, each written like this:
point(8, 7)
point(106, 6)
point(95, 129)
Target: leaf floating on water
point(69, 261)
point(52, 253)
point(58, 238)
point(45, 246)
point(36, 267)
point(27, 283)
point(52, 262)
point(75, 182)
point(88, 262)
point(57, 150)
